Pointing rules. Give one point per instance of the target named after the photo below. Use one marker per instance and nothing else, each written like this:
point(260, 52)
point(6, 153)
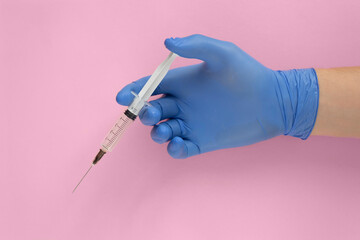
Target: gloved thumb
point(209, 50)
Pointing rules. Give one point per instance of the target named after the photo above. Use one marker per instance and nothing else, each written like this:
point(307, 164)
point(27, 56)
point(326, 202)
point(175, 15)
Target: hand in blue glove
point(229, 100)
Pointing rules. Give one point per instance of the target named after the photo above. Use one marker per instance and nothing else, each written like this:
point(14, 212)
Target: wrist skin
point(339, 104)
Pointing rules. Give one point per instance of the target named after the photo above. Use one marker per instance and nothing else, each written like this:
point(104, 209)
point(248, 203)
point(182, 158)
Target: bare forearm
point(339, 102)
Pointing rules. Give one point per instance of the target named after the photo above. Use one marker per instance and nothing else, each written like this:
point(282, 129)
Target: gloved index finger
point(125, 97)
point(145, 87)
point(171, 84)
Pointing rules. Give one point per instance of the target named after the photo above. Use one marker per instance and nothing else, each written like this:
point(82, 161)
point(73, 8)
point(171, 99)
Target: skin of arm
point(339, 102)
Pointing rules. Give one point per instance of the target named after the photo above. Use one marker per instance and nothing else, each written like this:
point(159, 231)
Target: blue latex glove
point(229, 100)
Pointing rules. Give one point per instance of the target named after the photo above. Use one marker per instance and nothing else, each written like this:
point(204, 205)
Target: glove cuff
point(299, 91)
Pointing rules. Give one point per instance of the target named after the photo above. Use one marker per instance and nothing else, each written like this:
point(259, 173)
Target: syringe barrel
point(114, 135)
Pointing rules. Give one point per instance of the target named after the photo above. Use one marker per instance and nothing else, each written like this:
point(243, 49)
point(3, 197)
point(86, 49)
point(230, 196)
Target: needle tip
point(83, 177)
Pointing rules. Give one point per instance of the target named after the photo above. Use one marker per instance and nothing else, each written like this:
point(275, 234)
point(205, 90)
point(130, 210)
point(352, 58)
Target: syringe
point(140, 100)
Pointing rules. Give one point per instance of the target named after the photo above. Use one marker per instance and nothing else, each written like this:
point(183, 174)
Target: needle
point(114, 135)
point(83, 177)
point(100, 154)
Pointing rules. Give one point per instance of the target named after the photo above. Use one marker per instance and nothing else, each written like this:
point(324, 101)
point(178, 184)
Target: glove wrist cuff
point(300, 94)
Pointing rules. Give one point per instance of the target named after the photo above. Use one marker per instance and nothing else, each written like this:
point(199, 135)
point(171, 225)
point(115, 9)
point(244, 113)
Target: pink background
point(62, 63)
